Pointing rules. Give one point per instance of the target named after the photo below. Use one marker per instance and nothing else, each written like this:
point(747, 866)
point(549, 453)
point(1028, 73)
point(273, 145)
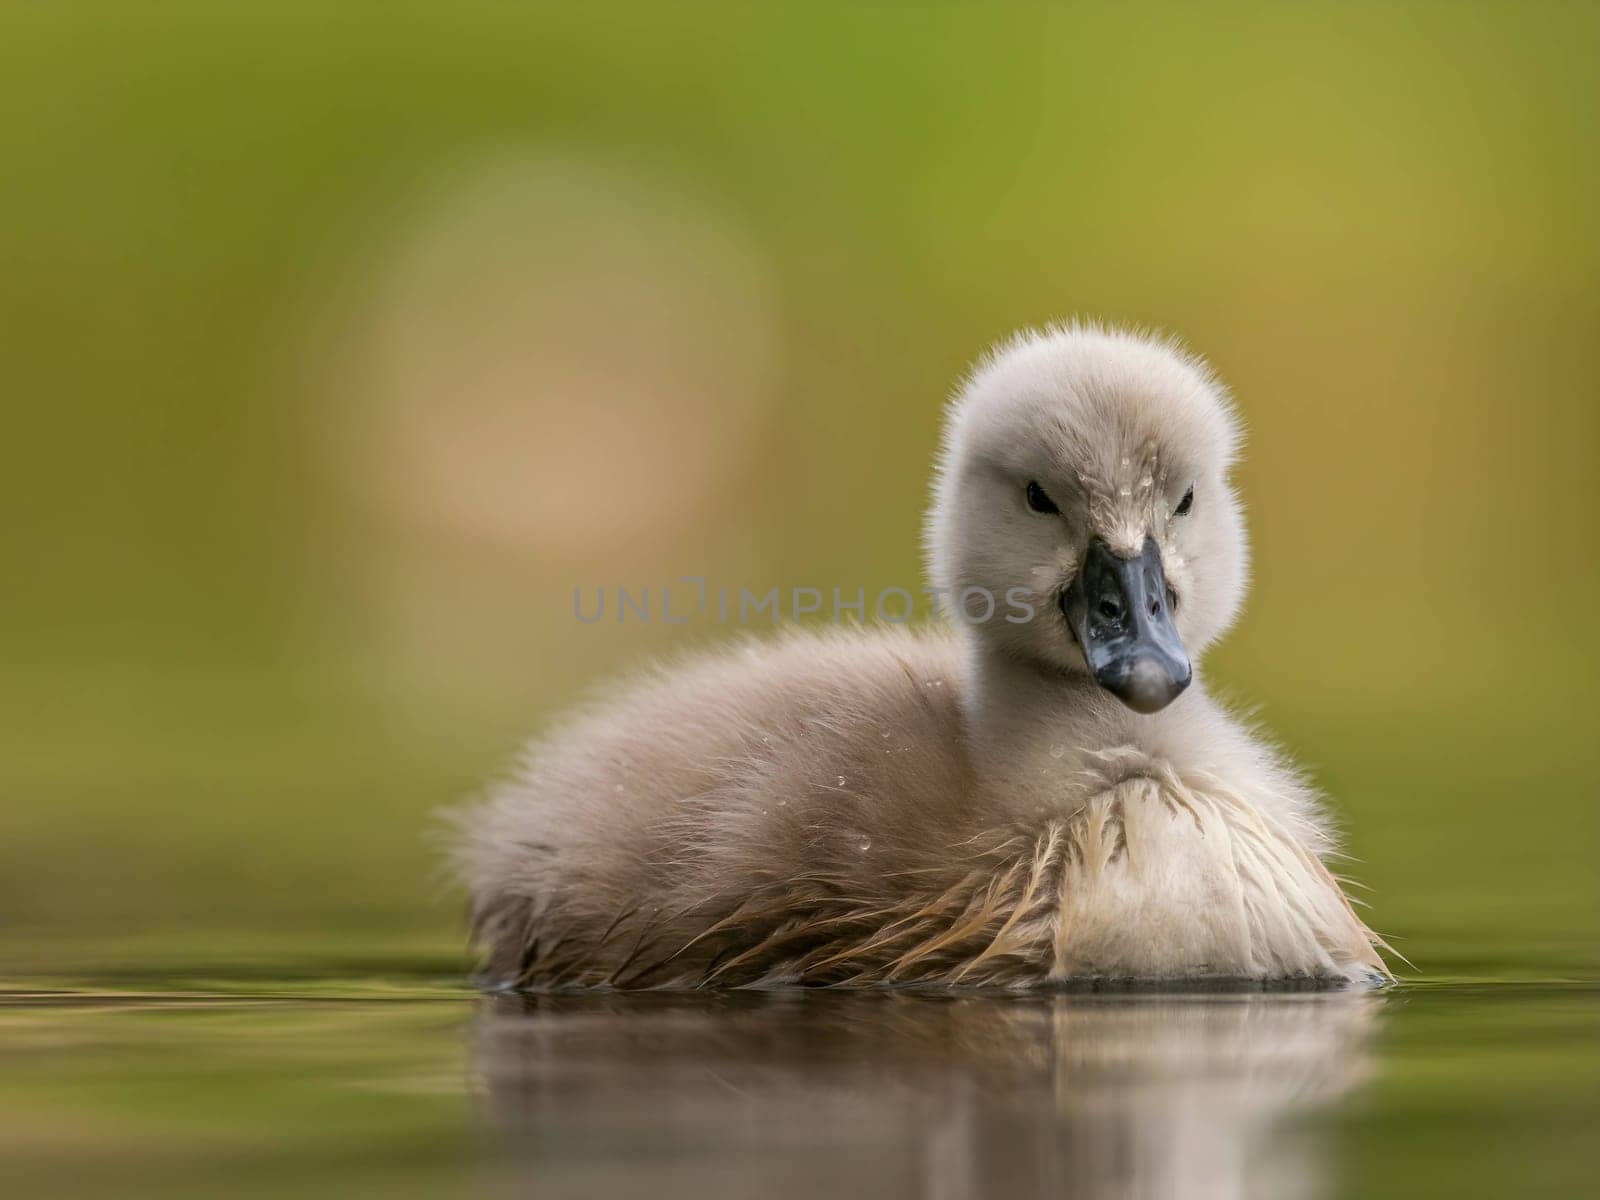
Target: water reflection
point(884, 1095)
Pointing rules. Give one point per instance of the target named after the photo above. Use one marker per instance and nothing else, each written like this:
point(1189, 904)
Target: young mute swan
point(1002, 801)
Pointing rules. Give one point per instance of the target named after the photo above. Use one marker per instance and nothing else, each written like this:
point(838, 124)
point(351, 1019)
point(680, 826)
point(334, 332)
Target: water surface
point(411, 1084)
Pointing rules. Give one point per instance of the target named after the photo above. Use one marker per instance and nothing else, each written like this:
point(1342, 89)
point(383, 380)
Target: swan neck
point(1022, 718)
point(1011, 706)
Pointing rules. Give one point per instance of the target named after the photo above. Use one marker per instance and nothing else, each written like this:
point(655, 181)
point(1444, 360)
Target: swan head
point(1082, 518)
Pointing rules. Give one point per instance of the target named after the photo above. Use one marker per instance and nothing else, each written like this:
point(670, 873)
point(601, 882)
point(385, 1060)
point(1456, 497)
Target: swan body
point(987, 802)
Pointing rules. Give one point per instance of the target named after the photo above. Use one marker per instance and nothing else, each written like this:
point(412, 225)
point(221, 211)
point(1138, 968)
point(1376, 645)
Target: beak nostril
point(1155, 606)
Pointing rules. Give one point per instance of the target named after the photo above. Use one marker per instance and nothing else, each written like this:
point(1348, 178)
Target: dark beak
point(1120, 610)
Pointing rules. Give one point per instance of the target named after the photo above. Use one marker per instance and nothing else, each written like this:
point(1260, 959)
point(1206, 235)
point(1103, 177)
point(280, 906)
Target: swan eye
point(1185, 504)
point(1039, 501)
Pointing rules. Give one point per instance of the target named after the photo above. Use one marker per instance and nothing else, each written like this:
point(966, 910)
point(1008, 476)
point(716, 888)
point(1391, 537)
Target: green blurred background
point(336, 348)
